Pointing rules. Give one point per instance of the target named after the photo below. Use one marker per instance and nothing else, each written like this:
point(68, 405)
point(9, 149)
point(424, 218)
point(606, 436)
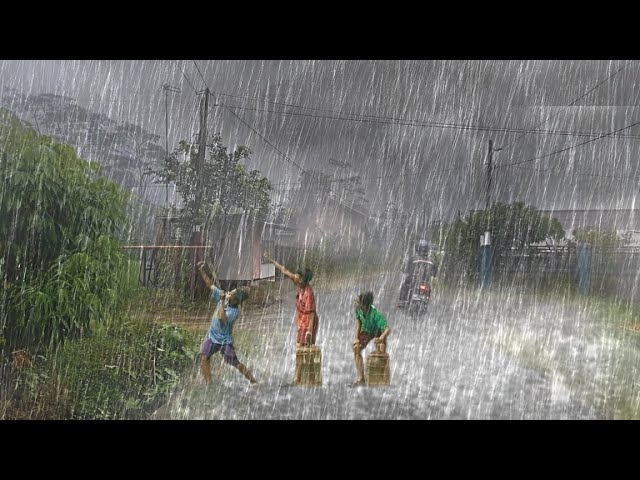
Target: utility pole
point(486, 251)
point(196, 235)
point(167, 88)
point(202, 145)
point(489, 172)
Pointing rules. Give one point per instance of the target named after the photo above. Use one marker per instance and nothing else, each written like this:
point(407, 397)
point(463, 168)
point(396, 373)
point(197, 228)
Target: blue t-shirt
point(221, 332)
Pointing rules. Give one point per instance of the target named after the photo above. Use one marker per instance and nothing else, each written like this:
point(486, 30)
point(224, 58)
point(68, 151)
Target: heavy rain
point(489, 206)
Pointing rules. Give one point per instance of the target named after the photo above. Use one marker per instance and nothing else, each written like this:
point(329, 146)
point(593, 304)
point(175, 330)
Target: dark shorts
point(208, 348)
point(364, 338)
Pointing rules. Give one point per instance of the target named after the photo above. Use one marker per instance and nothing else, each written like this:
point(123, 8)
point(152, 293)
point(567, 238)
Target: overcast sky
point(416, 130)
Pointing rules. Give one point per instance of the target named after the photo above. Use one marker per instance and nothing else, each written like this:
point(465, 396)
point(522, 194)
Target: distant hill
point(124, 150)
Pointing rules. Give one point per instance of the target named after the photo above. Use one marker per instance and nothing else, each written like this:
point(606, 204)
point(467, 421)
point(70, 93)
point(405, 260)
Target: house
point(233, 244)
point(622, 221)
point(322, 215)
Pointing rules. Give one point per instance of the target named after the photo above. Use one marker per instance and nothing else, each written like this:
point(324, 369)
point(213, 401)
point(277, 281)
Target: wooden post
point(489, 172)
point(143, 267)
point(584, 268)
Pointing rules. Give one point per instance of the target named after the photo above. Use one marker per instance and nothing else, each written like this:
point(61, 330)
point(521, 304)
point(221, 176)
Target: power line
point(279, 151)
point(402, 121)
point(291, 161)
point(411, 123)
point(572, 103)
point(568, 148)
point(366, 118)
point(367, 178)
point(247, 97)
point(198, 68)
point(288, 159)
point(285, 104)
point(185, 76)
point(549, 170)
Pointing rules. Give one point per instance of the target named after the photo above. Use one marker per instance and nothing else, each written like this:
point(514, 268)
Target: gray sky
point(416, 130)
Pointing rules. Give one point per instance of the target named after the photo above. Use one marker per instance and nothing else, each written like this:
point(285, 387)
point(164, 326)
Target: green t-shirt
point(373, 323)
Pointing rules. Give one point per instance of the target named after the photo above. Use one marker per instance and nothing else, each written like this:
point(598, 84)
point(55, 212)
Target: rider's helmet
point(422, 247)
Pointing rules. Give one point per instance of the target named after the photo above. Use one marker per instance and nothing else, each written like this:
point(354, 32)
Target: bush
point(60, 262)
point(514, 225)
point(119, 372)
point(598, 237)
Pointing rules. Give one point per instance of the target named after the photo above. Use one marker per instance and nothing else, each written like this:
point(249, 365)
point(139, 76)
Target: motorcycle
point(419, 299)
point(418, 287)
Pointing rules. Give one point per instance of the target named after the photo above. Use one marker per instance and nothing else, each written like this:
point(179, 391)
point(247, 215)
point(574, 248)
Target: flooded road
point(476, 355)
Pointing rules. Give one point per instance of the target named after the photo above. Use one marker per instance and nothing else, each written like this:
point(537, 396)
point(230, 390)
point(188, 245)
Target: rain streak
point(319, 239)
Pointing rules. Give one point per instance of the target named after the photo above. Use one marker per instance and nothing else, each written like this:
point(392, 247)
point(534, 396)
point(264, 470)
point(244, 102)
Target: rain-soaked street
point(122, 179)
point(475, 356)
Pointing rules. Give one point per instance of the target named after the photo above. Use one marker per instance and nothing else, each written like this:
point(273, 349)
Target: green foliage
point(60, 264)
point(79, 290)
point(174, 269)
point(512, 226)
point(122, 371)
point(598, 238)
point(226, 183)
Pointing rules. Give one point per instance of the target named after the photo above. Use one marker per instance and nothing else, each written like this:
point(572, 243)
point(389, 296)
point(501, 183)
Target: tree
point(60, 262)
point(597, 237)
point(512, 226)
point(141, 149)
point(226, 183)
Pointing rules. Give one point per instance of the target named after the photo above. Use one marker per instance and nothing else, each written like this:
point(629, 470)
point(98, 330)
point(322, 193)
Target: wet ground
point(475, 355)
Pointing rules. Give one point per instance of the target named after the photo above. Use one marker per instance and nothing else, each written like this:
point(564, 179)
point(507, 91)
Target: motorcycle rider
point(421, 267)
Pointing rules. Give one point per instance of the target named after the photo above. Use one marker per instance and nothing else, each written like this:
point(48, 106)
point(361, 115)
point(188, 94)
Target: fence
point(610, 271)
point(536, 264)
point(166, 265)
point(615, 272)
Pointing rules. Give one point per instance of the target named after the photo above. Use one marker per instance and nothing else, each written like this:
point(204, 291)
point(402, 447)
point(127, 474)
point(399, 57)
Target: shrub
point(118, 372)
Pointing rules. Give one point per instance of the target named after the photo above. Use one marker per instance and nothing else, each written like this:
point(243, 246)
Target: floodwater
point(476, 355)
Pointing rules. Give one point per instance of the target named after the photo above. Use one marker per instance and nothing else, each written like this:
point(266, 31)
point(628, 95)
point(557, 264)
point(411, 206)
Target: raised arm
point(208, 281)
point(284, 271)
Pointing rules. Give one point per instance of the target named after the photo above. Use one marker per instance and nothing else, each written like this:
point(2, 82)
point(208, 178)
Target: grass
point(617, 400)
point(615, 324)
point(123, 369)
